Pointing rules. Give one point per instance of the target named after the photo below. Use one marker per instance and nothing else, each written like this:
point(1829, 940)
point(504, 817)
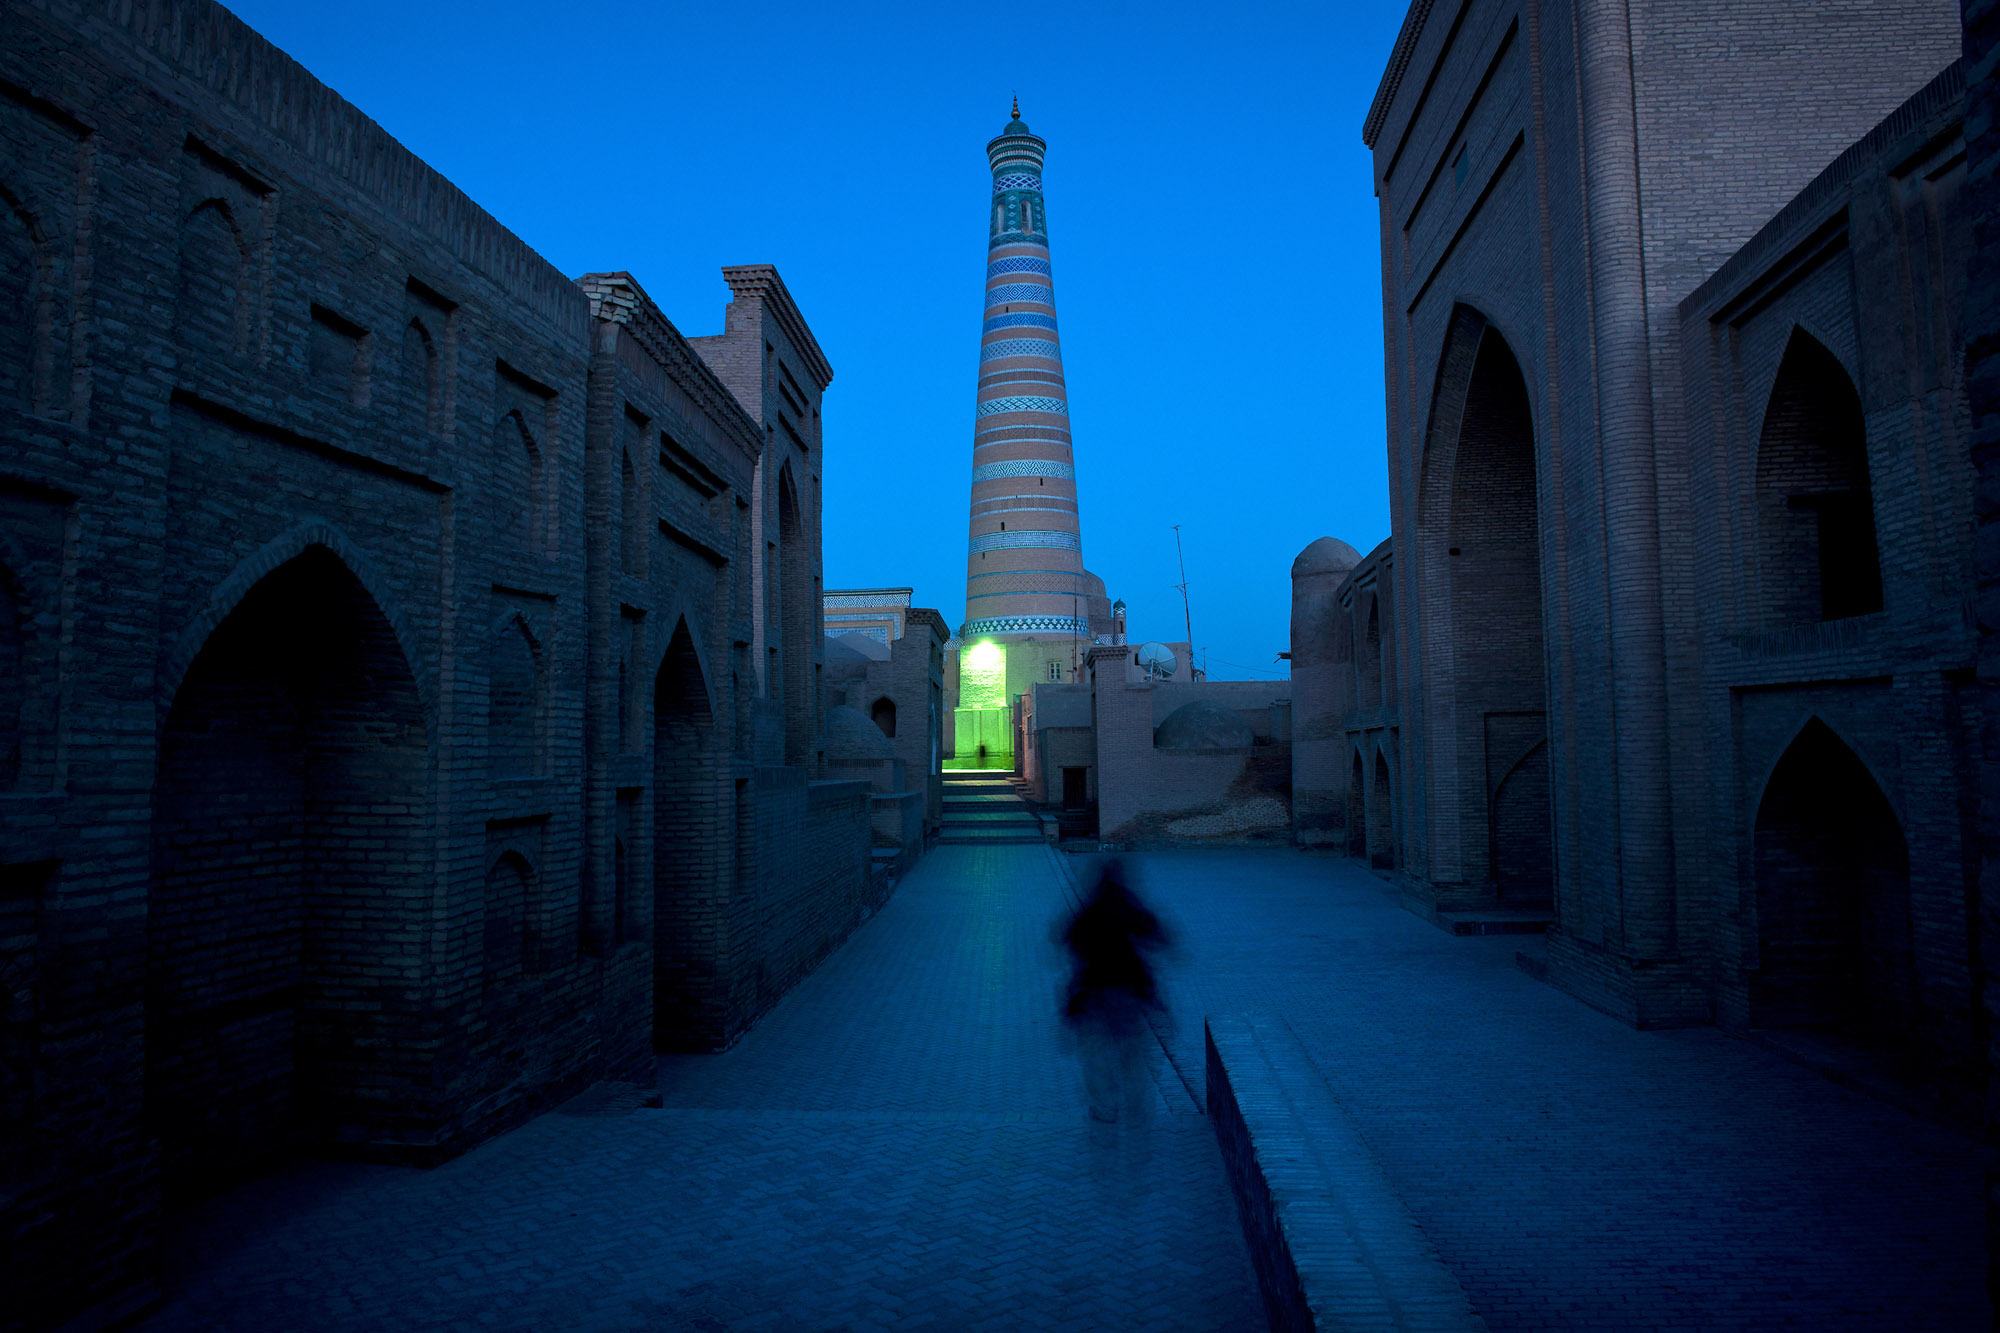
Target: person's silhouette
point(1111, 988)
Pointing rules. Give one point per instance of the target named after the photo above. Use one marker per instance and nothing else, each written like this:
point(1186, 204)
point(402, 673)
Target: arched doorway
point(691, 843)
point(1382, 818)
point(1816, 546)
point(1833, 896)
point(883, 714)
point(795, 622)
point(1369, 658)
point(1481, 540)
point(1357, 809)
point(285, 923)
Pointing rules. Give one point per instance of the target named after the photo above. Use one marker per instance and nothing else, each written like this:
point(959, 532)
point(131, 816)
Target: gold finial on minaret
point(1017, 106)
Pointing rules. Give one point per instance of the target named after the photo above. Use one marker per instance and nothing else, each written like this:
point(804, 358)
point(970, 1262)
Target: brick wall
point(1554, 179)
point(344, 547)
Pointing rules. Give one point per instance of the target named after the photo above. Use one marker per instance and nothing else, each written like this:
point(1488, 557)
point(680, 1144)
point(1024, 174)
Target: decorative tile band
point(1019, 264)
point(1021, 347)
point(1024, 592)
point(851, 599)
point(1009, 440)
point(1025, 625)
point(1023, 467)
point(993, 380)
point(1019, 291)
point(998, 405)
point(1047, 539)
point(1011, 237)
point(1016, 180)
point(1040, 505)
point(1018, 321)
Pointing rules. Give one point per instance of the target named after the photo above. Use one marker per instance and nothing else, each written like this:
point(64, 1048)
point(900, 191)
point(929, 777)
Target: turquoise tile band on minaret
point(1021, 432)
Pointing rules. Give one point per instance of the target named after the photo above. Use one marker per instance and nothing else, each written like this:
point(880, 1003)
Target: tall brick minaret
point(1028, 600)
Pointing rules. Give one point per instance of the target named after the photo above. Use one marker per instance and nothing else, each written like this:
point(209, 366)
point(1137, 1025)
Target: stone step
point(967, 837)
point(960, 820)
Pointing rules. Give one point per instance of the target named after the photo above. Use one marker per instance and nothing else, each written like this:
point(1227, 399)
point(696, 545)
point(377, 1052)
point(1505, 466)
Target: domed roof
point(1328, 555)
point(852, 738)
point(1203, 725)
point(1014, 127)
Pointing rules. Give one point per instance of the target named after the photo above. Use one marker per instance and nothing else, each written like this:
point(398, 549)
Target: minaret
point(1028, 601)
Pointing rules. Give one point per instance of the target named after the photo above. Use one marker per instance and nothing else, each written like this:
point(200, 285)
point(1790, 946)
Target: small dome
point(1118, 605)
point(1014, 127)
point(1328, 555)
point(1203, 725)
point(851, 737)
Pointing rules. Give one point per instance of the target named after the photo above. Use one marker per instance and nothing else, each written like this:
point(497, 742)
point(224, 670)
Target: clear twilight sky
point(1211, 218)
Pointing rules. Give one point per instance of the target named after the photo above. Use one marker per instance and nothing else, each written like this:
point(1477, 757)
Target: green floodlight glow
point(982, 676)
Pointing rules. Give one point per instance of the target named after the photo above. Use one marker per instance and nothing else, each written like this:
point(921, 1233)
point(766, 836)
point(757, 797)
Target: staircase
point(981, 806)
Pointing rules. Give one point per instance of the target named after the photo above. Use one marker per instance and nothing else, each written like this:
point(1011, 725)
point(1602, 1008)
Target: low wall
point(1333, 1245)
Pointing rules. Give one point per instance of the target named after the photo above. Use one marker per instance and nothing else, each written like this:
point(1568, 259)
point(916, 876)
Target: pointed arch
point(291, 799)
point(1357, 809)
point(27, 305)
point(796, 601)
point(1817, 553)
point(632, 527)
point(212, 310)
point(516, 699)
point(883, 714)
point(1382, 815)
point(421, 378)
point(1831, 866)
point(1478, 577)
point(693, 835)
point(287, 546)
point(1368, 657)
point(520, 481)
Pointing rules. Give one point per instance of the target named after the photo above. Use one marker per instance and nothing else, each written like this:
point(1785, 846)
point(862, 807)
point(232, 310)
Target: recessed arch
point(27, 304)
point(1382, 816)
point(421, 378)
point(1817, 554)
point(883, 714)
point(1357, 809)
point(1368, 657)
point(291, 799)
point(796, 598)
point(1479, 582)
point(287, 546)
point(212, 309)
point(519, 478)
point(516, 700)
point(1834, 946)
point(693, 838)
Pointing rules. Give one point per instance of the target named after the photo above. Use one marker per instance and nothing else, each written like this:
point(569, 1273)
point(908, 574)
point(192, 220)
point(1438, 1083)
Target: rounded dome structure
point(1328, 555)
point(853, 738)
point(1203, 725)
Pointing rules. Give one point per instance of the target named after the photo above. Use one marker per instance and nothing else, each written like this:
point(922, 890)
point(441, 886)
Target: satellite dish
point(1156, 659)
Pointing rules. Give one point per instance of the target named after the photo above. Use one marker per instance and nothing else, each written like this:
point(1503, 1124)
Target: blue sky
point(1212, 224)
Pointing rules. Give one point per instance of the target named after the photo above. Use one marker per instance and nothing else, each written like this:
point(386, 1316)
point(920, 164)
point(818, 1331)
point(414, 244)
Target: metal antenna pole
point(1187, 617)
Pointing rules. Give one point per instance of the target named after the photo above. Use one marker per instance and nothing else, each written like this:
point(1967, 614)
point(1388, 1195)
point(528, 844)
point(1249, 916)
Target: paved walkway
point(901, 1144)
point(1574, 1173)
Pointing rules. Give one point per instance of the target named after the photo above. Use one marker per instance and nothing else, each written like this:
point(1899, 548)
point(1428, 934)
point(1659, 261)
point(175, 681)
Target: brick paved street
point(902, 1144)
point(1574, 1173)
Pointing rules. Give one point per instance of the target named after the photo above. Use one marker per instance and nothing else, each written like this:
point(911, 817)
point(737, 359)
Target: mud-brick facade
point(395, 733)
point(1346, 732)
point(1831, 728)
point(1554, 180)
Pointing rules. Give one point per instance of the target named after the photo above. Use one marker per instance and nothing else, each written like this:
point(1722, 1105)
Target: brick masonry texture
point(1568, 1170)
point(1679, 501)
point(409, 656)
point(904, 1144)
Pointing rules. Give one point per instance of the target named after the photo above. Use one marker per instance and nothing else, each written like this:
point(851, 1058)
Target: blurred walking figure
point(1111, 990)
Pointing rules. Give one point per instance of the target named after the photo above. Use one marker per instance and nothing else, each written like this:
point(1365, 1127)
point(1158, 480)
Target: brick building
point(408, 710)
point(885, 659)
point(1676, 628)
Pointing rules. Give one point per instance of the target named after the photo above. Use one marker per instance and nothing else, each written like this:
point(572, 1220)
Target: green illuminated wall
point(982, 676)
